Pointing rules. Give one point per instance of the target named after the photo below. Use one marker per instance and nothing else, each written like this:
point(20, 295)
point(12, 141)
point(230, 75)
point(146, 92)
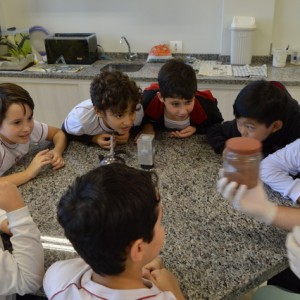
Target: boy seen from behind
point(263, 110)
point(175, 104)
point(112, 216)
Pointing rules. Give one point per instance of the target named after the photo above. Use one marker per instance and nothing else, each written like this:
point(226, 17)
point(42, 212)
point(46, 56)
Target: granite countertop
point(289, 75)
point(215, 252)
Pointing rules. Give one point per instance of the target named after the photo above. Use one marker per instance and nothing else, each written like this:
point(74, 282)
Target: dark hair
point(176, 79)
point(11, 93)
point(263, 101)
point(107, 209)
point(114, 91)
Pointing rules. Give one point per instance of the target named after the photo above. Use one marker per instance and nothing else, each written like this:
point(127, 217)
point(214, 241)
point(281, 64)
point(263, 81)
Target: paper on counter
point(247, 71)
point(212, 68)
point(54, 68)
point(215, 70)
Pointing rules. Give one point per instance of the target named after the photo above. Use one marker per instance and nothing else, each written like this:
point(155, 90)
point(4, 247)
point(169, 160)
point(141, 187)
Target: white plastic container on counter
point(145, 147)
point(279, 57)
point(242, 31)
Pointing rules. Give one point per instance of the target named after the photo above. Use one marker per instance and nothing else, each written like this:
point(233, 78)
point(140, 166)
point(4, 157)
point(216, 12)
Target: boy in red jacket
point(175, 104)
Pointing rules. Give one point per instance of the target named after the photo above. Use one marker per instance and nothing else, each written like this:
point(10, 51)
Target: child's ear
point(137, 250)
point(276, 125)
point(158, 94)
point(98, 112)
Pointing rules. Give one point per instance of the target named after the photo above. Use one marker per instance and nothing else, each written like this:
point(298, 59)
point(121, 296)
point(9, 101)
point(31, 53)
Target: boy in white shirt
point(280, 170)
point(114, 108)
point(112, 216)
point(22, 270)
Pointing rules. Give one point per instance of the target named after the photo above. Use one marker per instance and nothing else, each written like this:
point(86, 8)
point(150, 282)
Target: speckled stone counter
point(215, 252)
point(289, 75)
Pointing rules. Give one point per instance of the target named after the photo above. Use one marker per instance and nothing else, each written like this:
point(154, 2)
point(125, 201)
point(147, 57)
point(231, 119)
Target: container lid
point(243, 22)
point(37, 38)
point(243, 145)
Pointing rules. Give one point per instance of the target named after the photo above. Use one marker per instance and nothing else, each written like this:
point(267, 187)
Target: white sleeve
point(277, 169)
point(24, 267)
point(80, 118)
point(39, 132)
point(62, 274)
point(3, 168)
point(73, 124)
point(3, 215)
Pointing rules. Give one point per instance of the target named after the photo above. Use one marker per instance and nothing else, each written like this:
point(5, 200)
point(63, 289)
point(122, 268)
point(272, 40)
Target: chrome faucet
point(129, 56)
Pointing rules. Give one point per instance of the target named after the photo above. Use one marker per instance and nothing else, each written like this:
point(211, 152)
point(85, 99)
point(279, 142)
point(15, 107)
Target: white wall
point(263, 11)
point(287, 24)
point(202, 25)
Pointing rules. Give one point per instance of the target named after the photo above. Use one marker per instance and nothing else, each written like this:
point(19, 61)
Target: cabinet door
point(226, 95)
point(295, 92)
point(53, 98)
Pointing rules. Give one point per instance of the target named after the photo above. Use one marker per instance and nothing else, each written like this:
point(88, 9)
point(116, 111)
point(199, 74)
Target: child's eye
point(119, 115)
point(175, 104)
point(250, 127)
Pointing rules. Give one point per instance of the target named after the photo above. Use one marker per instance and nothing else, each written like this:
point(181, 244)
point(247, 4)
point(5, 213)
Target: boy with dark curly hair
point(114, 108)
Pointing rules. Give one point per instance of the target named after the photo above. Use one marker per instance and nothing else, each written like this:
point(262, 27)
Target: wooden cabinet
point(53, 98)
point(295, 92)
point(226, 95)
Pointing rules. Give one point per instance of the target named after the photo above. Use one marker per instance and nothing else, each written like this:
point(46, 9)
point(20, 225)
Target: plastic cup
point(279, 57)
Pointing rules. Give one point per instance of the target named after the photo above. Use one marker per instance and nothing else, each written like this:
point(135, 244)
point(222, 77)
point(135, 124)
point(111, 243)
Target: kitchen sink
point(123, 67)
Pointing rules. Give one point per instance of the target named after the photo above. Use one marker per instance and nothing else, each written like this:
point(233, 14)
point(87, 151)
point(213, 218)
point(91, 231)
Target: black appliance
point(71, 48)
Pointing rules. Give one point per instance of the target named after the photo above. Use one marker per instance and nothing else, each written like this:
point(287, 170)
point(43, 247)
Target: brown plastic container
point(241, 159)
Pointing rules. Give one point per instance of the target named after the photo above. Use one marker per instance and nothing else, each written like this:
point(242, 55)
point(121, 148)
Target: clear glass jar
point(241, 160)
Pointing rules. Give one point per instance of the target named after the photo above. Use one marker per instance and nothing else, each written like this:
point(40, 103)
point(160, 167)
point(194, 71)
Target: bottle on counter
point(145, 147)
point(241, 160)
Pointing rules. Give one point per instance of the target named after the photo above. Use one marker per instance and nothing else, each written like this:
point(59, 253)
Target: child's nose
point(244, 132)
point(183, 110)
point(129, 119)
point(27, 127)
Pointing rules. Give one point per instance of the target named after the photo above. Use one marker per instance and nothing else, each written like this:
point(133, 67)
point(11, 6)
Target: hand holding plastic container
point(241, 159)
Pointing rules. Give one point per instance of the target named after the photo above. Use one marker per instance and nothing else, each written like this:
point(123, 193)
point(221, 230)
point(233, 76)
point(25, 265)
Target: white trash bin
point(242, 30)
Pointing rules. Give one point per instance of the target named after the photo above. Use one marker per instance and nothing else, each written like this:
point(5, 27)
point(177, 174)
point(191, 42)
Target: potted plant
point(16, 51)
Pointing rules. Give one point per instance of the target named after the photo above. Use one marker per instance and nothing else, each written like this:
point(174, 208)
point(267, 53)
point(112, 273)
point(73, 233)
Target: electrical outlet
point(176, 46)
